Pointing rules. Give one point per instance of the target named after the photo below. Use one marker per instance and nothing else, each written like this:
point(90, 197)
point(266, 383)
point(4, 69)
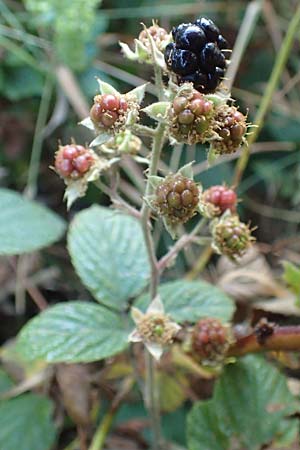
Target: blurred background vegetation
point(52, 50)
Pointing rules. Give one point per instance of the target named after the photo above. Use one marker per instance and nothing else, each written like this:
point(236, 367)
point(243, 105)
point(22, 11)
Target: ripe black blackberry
point(196, 54)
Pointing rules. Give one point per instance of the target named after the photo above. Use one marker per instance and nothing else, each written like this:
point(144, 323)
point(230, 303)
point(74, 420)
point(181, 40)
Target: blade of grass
point(274, 79)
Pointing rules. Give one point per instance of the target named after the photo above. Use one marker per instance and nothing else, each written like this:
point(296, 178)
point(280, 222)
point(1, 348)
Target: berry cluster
point(107, 110)
point(196, 54)
point(231, 127)
point(210, 341)
point(190, 117)
point(221, 197)
point(73, 161)
point(177, 198)
point(160, 37)
point(231, 237)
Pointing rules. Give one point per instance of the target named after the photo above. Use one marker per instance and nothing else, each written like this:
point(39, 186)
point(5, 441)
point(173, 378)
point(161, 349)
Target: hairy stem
point(169, 257)
point(277, 70)
point(157, 145)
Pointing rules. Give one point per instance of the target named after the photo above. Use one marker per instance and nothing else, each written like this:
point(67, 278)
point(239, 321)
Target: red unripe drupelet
point(222, 197)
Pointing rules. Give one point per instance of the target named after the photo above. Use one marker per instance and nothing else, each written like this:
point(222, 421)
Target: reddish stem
point(282, 339)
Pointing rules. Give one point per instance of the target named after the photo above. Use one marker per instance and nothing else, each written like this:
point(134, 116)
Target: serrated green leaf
point(26, 226)
point(255, 399)
point(73, 332)
point(109, 254)
point(191, 301)
point(26, 424)
point(250, 404)
point(203, 430)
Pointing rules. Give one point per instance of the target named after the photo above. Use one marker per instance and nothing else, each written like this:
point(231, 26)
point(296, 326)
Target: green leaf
point(191, 301)
point(109, 255)
point(26, 424)
point(73, 332)
point(251, 402)
point(26, 226)
point(203, 429)
point(292, 278)
point(5, 382)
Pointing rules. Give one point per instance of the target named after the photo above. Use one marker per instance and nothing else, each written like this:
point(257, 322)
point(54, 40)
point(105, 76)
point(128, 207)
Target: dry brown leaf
point(249, 279)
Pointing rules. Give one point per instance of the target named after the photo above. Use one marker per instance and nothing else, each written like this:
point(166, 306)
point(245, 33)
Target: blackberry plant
point(171, 328)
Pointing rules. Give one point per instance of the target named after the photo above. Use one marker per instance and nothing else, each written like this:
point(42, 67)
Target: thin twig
point(186, 239)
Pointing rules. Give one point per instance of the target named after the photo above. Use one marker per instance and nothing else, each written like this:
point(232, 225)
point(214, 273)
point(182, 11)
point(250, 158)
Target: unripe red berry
point(177, 198)
point(73, 161)
point(222, 197)
point(210, 341)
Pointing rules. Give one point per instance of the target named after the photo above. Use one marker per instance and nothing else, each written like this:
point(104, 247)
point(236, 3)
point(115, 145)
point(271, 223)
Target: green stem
point(157, 145)
point(152, 400)
point(33, 171)
point(267, 98)
point(102, 431)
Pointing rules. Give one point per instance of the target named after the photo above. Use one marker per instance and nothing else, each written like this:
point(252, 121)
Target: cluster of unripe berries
point(176, 198)
point(107, 110)
point(210, 341)
point(231, 237)
point(73, 161)
point(196, 54)
point(230, 125)
point(190, 117)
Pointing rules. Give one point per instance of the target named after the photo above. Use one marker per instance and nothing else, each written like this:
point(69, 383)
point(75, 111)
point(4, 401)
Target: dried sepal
point(154, 328)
